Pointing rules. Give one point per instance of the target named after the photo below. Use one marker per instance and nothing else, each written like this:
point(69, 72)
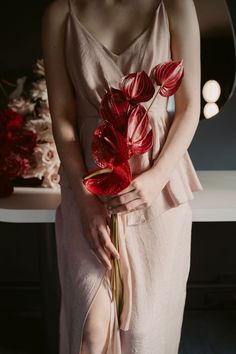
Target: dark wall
point(214, 144)
point(20, 42)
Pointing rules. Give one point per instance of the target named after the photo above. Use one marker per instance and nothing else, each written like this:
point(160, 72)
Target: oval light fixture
point(211, 91)
point(210, 109)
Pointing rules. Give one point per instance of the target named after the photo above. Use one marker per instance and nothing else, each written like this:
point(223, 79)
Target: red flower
point(137, 87)
point(139, 133)
point(108, 181)
point(113, 108)
point(168, 76)
point(10, 120)
point(24, 143)
point(14, 166)
point(109, 147)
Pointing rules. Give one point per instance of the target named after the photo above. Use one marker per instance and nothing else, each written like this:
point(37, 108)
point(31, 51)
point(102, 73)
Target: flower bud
point(168, 75)
point(137, 87)
point(109, 146)
point(108, 181)
point(139, 133)
point(114, 107)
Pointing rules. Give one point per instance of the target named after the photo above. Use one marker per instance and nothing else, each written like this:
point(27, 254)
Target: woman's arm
point(61, 96)
point(63, 109)
point(185, 44)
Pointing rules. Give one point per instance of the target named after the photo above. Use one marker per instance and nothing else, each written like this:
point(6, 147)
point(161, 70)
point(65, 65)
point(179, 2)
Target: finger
point(108, 220)
point(122, 199)
point(131, 206)
point(106, 242)
point(94, 239)
point(108, 229)
point(98, 250)
point(103, 257)
point(128, 189)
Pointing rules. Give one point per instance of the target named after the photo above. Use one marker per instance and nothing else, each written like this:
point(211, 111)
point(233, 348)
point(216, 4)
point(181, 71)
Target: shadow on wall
point(214, 144)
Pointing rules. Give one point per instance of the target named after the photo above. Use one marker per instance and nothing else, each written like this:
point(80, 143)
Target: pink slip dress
point(154, 242)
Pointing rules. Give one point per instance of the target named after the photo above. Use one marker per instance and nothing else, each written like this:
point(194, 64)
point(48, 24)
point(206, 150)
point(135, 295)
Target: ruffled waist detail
point(182, 183)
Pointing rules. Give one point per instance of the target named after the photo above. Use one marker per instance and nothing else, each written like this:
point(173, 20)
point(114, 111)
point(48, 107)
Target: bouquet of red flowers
point(29, 101)
point(17, 144)
point(125, 131)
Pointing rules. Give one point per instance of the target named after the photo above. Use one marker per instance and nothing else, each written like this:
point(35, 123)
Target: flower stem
point(99, 172)
point(140, 122)
point(116, 282)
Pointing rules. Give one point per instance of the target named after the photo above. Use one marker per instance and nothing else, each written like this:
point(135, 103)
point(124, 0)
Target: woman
point(86, 45)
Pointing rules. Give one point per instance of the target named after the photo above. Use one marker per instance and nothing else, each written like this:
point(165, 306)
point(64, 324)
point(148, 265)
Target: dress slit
point(97, 288)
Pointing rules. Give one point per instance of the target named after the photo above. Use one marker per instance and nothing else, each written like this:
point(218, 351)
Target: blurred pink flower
point(22, 105)
point(43, 129)
point(38, 68)
point(39, 90)
point(52, 178)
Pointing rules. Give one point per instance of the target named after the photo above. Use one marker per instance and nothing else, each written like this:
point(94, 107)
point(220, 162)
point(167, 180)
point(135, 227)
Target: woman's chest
point(116, 26)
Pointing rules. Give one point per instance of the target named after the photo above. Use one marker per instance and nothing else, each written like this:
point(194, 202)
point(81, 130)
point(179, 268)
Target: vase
point(6, 186)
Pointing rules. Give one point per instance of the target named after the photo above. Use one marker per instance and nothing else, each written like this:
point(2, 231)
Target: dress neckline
point(134, 41)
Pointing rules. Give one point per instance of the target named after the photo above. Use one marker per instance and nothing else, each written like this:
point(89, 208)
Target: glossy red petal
point(114, 107)
point(169, 76)
point(139, 138)
point(140, 147)
point(137, 87)
point(137, 123)
point(109, 147)
point(109, 183)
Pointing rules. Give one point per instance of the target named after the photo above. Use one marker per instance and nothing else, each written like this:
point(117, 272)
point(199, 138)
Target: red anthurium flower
point(114, 107)
point(137, 87)
point(139, 133)
point(109, 147)
point(10, 120)
point(24, 143)
point(14, 165)
point(108, 181)
point(168, 76)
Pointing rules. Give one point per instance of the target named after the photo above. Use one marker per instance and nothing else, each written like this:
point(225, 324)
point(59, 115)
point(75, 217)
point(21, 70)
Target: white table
point(37, 205)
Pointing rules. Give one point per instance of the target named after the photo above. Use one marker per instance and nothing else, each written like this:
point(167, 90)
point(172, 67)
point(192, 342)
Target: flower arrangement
point(125, 130)
point(17, 144)
point(33, 133)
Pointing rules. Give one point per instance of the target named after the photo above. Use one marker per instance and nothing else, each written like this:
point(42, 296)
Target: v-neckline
point(134, 41)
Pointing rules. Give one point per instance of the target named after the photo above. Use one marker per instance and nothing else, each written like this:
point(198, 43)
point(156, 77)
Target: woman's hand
point(141, 192)
point(95, 221)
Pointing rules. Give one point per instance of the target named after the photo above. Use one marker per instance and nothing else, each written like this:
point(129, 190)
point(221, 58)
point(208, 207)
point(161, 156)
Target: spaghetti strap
point(70, 5)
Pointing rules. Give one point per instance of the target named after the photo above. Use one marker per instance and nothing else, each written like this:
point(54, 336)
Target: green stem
point(99, 172)
point(117, 285)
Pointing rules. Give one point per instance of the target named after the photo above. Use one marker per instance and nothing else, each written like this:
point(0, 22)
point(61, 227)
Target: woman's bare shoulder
point(182, 15)
point(55, 12)
point(180, 11)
